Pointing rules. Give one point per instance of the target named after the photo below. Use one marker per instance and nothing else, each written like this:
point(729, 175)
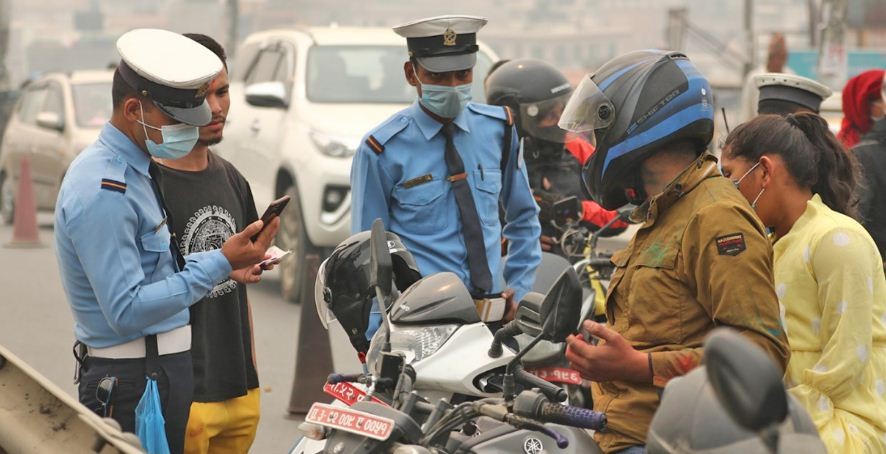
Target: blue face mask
point(444, 101)
point(178, 140)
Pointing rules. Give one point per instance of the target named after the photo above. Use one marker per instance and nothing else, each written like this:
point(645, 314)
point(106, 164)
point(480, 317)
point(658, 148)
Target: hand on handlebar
point(612, 359)
point(547, 243)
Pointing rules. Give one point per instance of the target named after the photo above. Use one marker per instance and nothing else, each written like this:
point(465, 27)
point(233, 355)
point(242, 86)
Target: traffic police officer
point(128, 292)
point(436, 172)
point(783, 94)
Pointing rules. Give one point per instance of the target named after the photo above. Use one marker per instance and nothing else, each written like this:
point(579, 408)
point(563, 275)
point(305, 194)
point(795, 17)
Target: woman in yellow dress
point(828, 273)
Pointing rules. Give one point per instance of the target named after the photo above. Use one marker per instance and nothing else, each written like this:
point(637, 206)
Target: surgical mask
point(737, 183)
point(443, 100)
point(178, 140)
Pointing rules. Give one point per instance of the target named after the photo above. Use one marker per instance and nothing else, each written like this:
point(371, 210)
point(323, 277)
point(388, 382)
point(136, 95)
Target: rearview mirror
point(561, 308)
point(746, 382)
point(528, 315)
point(381, 267)
point(50, 120)
point(267, 94)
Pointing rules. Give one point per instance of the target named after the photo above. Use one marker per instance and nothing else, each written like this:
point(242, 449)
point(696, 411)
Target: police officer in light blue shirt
point(437, 172)
point(127, 284)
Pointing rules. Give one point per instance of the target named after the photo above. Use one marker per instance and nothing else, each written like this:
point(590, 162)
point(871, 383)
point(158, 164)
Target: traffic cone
point(313, 359)
point(24, 231)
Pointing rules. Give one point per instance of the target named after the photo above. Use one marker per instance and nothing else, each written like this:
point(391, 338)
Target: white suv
point(301, 100)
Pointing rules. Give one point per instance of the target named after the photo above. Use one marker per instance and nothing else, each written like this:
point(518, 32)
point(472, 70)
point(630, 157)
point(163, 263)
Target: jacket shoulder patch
point(732, 244)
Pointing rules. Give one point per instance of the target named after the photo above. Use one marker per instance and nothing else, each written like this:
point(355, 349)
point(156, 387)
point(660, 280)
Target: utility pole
point(751, 61)
point(675, 33)
point(812, 11)
point(832, 60)
point(233, 15)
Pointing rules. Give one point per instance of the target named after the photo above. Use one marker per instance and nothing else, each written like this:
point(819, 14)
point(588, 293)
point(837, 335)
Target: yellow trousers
point(223, 427)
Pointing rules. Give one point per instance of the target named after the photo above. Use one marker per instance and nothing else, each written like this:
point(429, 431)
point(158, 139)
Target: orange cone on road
point(24, 232)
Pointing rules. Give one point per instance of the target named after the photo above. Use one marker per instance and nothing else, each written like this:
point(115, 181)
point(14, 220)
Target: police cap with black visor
point(175, 79)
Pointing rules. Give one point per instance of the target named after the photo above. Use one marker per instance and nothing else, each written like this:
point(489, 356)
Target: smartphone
point(567, 208)
point(274, 209)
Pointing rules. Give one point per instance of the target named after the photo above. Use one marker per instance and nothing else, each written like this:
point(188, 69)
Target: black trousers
point(175, 382)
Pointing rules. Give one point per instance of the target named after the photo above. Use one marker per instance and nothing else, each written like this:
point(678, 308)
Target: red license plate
point(347, 393)
point(558, 375)
point(353, 421)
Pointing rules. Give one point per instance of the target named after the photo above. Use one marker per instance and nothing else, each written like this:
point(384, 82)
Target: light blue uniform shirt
point(405, 185)
point(113, 248)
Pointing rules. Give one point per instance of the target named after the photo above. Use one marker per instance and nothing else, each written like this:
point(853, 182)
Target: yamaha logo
point(533, 446)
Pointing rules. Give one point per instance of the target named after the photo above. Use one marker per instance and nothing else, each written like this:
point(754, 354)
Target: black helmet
point(342, 291)
point(636, 103)
point(535, 92)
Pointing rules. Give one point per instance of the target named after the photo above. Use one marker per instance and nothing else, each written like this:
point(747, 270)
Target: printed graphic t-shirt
point(207, 207)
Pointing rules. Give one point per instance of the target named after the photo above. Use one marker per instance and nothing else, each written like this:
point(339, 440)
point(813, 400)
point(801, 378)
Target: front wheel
point(293, 236)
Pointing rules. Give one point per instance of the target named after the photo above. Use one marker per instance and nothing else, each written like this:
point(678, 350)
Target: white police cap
point(170, 69)
point(443, 43)
point(792, 88)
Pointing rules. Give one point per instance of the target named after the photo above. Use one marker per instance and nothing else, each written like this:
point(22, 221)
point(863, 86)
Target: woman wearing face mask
point(828, 273)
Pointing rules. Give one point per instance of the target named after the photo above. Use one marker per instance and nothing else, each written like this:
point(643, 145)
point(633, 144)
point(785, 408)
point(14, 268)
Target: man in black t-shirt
point(211, 200)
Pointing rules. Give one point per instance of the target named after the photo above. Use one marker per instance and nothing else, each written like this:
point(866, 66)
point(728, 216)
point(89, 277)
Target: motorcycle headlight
point(337, 147)
point(416, 342)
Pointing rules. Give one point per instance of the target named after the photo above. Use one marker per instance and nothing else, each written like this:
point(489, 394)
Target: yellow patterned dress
point(832, 291)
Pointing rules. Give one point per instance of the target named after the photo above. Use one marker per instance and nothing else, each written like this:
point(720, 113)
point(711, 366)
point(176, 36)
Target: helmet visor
point(588, 109)
point(321, 297)
point(540, 119)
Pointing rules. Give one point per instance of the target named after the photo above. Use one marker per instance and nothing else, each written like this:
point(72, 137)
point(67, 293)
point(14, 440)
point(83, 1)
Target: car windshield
point(368, 74)
point(92, 104)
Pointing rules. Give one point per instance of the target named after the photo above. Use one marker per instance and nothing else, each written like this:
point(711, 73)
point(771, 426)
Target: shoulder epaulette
point(113, 185)
point(377, 139)
point(114, 178)
point(496, 112)
point(373, 143)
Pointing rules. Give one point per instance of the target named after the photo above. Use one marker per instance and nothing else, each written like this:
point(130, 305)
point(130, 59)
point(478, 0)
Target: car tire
point(7, 199)
point(293, 236)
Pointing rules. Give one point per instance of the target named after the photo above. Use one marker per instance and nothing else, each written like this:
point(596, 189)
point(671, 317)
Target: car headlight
point(337, 147)
point(415, 342)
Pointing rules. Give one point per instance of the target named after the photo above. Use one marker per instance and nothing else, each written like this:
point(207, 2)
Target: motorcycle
point(434, 387)
point(433, 351)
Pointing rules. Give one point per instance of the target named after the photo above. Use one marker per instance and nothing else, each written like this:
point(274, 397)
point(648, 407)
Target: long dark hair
point(814, 157)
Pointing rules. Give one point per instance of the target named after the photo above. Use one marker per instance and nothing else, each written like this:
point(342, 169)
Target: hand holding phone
point(274, 209)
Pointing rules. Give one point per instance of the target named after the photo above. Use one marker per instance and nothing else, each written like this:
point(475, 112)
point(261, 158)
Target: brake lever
point(529, 424)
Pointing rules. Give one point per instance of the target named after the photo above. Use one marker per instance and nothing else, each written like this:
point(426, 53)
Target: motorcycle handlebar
point(531, 404)
point(568, 415)
point(549, 389)
point(334, 379)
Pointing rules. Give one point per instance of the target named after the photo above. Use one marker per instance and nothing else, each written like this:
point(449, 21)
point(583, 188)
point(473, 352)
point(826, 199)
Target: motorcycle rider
point(700, 259)
point(537, 92)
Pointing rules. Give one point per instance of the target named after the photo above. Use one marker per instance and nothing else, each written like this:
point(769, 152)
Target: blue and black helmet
point(634, 104)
